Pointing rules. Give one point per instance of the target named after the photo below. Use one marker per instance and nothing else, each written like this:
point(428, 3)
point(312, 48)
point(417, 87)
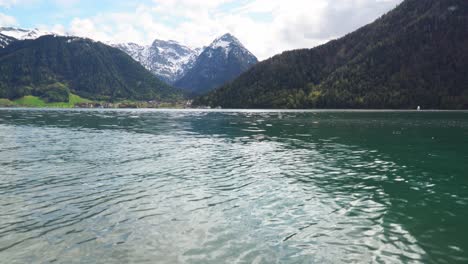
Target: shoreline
point(235, 109)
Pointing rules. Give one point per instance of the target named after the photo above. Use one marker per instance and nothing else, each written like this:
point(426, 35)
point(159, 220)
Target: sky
point(265, 27)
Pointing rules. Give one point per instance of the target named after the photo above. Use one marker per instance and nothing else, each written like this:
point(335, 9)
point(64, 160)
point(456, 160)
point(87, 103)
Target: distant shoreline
point(239, 110)
point(76, 101)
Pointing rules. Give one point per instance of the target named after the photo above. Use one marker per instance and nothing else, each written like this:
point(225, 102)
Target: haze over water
point(145, 186)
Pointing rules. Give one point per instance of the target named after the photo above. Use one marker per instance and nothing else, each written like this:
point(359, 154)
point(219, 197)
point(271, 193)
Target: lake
point(175, 186)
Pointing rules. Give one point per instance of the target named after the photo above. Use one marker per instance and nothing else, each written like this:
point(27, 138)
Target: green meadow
point(34, 101)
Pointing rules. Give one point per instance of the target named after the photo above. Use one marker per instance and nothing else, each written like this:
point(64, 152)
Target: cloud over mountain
point(266, 27)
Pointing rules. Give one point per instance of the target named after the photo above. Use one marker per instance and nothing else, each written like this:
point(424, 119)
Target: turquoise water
point(145, 186)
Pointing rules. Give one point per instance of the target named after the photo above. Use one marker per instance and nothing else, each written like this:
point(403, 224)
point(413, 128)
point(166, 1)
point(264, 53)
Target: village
point(147, 104)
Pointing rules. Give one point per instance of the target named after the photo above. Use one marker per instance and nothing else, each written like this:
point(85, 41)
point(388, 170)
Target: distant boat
point(419, 108)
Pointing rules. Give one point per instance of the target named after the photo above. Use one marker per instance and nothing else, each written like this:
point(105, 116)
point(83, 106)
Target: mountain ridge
point(5, 40)
point(23, 34)
point(413, 55)
point(53, 66)
point(168, 60)
point(193, 70)
point(223, 60)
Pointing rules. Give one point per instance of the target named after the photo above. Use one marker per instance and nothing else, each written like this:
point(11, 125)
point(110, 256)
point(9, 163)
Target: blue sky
point(31, 13)
point(266, 27)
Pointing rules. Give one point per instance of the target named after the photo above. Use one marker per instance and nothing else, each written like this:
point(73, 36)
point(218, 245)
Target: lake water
point(146, 186)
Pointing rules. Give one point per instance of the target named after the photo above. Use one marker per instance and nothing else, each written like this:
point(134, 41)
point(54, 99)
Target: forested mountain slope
point(417, 54)
point(52, 66)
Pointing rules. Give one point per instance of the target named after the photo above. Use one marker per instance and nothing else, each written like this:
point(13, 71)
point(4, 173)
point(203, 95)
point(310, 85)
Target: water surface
point(145, 186)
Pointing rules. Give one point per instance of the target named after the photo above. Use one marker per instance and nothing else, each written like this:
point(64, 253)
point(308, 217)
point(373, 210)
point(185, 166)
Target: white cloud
point(7, 3)
point(12, 3)
point(66, 3)
point(308, 23)
point(87, 28)
point(266, 27)
point(6, 20)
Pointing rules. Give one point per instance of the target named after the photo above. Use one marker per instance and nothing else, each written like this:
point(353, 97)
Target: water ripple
point(232, 187)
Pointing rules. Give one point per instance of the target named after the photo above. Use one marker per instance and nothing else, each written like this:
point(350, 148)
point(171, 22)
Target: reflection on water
point(222, 187)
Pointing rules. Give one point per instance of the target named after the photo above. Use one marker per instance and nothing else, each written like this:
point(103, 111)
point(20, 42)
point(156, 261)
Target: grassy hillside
point(34, 101)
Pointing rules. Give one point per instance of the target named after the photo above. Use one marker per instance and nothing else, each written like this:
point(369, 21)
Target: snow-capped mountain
point(228, 43)
point(169, 60)
point(10, 34)
point(5, 40)
point(223, 60)
point(22, 34)
point(195, 70)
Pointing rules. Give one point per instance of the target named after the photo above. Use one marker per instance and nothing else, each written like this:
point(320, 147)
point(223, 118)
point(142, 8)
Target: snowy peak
point(172, 48)
point(225, 41)
point(223, 60)
point(228, 44)
point(22, 34)
point(195, 70)
point(168, 60)
point(134, 50)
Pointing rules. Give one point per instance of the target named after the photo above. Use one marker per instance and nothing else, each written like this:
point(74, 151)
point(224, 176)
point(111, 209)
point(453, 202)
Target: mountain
point(194, 70)
point(22, 34)
point(5, 40)
point(223, 60)
point(52, 66)
point(168, 60)
point(417, 54)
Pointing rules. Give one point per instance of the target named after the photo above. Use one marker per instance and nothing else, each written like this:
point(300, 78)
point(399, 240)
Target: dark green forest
point(51, 67)
point(417, 54)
